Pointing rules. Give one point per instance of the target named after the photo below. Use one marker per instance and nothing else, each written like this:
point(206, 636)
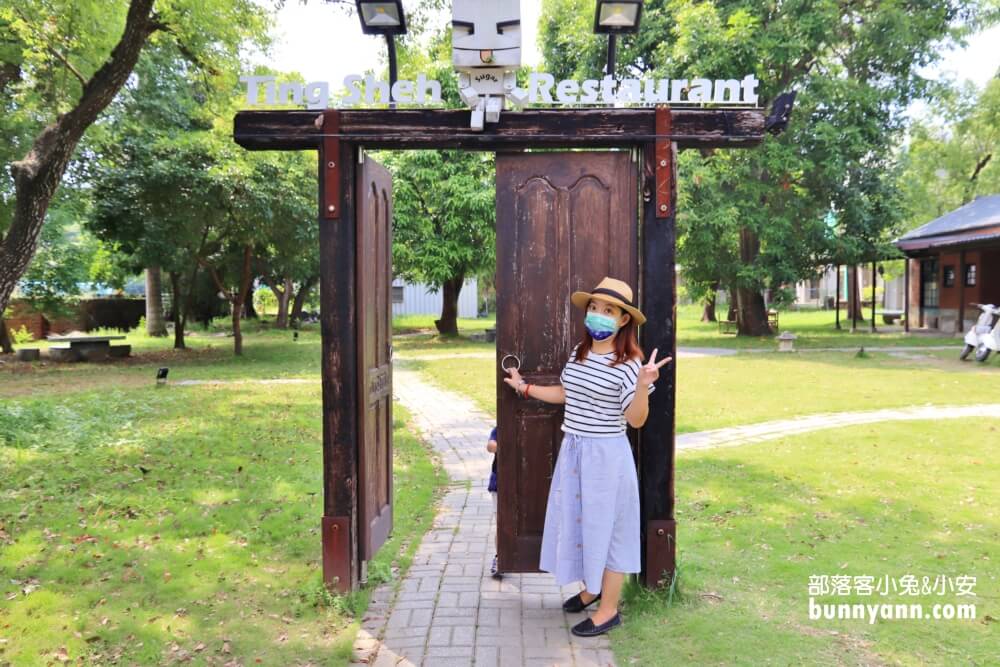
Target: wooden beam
point(449, 128)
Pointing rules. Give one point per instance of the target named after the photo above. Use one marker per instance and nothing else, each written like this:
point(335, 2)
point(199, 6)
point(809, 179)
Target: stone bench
point(29, 354)
point(120, 351)
point(63, 354)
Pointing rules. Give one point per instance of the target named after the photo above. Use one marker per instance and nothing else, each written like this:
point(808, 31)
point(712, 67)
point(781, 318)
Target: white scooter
point(984, 336)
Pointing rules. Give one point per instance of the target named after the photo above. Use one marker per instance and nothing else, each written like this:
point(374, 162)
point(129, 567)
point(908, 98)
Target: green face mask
point(600, 326)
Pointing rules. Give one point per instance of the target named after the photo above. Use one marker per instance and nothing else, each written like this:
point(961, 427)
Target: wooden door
point(564, 221)
point(374, 322)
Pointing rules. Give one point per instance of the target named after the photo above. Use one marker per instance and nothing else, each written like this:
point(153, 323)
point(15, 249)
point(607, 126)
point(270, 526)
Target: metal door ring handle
point(510, 356)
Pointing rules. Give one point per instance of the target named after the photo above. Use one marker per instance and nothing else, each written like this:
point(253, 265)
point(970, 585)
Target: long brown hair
point(626, 343)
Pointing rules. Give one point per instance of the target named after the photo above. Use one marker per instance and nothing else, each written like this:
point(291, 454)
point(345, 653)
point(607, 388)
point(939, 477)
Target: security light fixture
point(381, 18)
point(613, 18)
point(384, 18)
point(161, 376)
point(617, 17)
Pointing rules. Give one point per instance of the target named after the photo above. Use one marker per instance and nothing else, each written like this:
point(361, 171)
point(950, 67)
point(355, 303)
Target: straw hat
point(613, 291)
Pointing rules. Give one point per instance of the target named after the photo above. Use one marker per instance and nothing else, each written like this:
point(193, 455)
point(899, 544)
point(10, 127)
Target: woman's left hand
point(651, 370)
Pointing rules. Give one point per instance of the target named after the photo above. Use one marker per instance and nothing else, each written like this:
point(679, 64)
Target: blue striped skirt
point(592, 515)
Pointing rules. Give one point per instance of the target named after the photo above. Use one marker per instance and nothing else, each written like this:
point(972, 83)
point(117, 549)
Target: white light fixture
point(381, 18)
point(621, 16)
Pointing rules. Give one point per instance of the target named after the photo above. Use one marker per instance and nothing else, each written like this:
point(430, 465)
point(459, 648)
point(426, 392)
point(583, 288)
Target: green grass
point(402, 324)
point(756, 521)
point(267, 354)
point(814, 328)
point(153, 526)
point(714, 392)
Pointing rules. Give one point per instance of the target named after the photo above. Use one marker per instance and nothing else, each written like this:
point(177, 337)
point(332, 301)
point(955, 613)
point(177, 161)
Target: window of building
point(929, 283)
point(397, 294)
point(949, 276)
point(970, 275)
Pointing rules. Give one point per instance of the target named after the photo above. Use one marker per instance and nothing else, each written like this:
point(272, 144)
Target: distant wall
point(89, 314)
point(409, 299)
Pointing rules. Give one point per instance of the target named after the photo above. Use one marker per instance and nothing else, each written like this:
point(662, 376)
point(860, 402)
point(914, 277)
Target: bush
point(22, 336)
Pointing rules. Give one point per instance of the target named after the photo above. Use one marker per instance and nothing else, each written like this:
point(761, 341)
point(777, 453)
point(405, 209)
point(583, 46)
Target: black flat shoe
point(586, 627)
point(575, 604)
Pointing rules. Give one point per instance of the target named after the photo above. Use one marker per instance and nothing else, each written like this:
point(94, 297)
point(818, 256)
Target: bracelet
point(527, 387)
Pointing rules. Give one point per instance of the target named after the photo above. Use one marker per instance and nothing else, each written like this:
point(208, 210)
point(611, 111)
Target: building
point(821, 290)
point(953, 262)
point(418, 299)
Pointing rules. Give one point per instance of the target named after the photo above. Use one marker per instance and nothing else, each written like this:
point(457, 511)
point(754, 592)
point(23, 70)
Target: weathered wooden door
point(374, 305)
point(564, 221)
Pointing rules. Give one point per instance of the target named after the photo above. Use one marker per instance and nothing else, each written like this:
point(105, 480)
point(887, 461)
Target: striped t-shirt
point(597, 394)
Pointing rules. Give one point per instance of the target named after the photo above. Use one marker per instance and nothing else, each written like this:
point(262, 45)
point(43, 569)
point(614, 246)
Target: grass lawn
point(153, 526)
point(756, 521)
point(714, 392)
point(814, 328)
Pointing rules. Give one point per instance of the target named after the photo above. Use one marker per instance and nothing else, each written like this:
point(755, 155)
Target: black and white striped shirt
point(597, 394)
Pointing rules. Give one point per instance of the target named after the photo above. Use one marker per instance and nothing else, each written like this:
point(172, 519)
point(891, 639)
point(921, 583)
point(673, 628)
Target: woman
point(591, 529)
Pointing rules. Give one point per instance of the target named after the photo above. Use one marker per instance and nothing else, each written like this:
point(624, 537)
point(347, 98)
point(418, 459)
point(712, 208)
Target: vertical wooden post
point(337, 237)
point(960, 327)
point(838, 298)
point(874, 282)
point(906, 292)
point(658, 302)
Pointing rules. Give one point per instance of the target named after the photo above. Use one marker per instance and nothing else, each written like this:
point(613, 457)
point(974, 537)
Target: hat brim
point(581, 299)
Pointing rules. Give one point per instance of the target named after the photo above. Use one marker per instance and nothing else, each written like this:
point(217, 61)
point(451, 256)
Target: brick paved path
point(448, 610)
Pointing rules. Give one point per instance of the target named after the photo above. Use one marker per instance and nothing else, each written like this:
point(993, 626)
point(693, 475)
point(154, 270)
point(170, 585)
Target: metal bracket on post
point(664, 163)
point(330, 166)
point(336, 536)
point(661, 552)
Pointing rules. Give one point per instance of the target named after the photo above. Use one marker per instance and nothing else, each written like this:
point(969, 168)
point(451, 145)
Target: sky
point(324, 43)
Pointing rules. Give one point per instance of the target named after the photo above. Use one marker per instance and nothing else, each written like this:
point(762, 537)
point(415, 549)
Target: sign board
point(542, 89)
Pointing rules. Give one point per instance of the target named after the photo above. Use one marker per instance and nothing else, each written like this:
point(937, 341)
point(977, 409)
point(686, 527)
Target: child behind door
point(491, 447)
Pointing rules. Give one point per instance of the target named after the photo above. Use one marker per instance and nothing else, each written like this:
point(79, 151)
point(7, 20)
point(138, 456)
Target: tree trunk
point(731, 314)
point(6, 345)
point(708, 312)
point(239, 299)
point(751, 316)
point(300, 299)
point(155, 324)
point(854, 310)
point(448, 324)
point(248, 310)
point(39, 173)
point(175, 289)
point(284, 296)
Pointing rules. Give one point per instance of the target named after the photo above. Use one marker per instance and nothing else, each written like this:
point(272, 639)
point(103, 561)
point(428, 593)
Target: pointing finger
point(666, 360)
point(652, 357)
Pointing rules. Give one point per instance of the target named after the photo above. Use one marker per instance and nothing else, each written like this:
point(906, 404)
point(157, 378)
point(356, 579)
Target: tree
point(443, 201)
point(57, 80)
point(443, 221)
point(951, 156)
point(155, 324)
point(855, 67)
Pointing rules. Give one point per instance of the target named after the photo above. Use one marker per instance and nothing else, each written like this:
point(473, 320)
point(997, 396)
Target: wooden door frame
point(340, 135)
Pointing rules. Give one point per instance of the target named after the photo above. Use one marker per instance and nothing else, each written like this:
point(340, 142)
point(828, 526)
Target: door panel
point(564, 221)
point(374, 302)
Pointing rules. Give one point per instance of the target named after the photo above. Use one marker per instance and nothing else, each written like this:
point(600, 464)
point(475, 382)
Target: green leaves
point(443, 214)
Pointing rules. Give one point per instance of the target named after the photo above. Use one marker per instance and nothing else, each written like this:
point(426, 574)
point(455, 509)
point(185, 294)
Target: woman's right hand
point(515, 381)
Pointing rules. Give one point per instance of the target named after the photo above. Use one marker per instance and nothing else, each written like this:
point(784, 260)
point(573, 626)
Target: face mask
point(600, 327)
